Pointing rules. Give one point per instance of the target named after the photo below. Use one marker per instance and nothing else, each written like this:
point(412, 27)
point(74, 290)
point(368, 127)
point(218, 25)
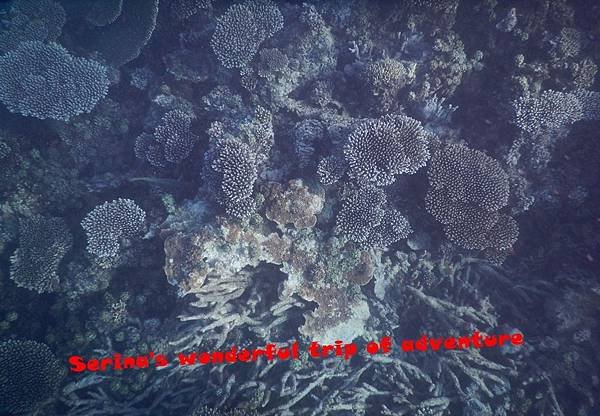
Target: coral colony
point(264, 207)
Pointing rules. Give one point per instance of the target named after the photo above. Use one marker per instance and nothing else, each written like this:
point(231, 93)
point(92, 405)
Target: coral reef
point(241, 30)
point(43, 242)
point(110, 223)
point(29, 374)
point(123, 39)
point(467, 189)
point(192, 175)
point(379, 150)
point(57, 84)
point(31, 20)
point(172, 140)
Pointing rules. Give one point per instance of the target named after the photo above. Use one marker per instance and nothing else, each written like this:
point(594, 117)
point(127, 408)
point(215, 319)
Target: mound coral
point(296, 204)
point(45, 81)
point(43, 242)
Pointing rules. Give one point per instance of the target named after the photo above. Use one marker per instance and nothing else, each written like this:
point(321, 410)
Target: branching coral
point(123, 40)
point(364, 218)
point(32, 20)
point(232, 169)
point(384, 79)
point(184, 9)
point(239, 147)
point(108, 224)
point(378, 150)
point(172, 140)
point(104, 12)
point(29, 375)
point(544, 119)
point(241, 30)
point(362, 210)
point(45, 81)
point(43, 242)
point(467, 189)
point(392, 228)
point(552, 110)
point(330, 170)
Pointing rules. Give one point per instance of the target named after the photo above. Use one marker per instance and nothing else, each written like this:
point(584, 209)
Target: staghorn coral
point(467, 189)
point(378, 150)
point(32, 20)
point(43, 242)
point(45, 81)
point(172, 140)
point(30, 374)
point(240, 31)
point(110, 223)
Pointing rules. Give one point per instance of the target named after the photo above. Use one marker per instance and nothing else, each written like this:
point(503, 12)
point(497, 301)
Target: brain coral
point(29, 375)
point(45, 81)
point(467, 189)
point(378, 150)
point(109, 223)
point(241, 30)
point(43, 242)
